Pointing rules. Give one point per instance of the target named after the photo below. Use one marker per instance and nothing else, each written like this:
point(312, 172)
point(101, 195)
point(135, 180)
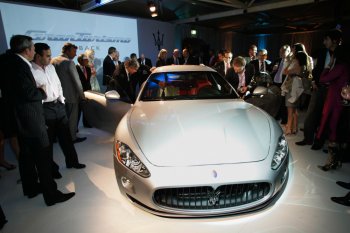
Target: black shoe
point(303, 143)
point(56, 175)
point(32, 195)
point(77, 140)
point(342, 200)
point(60, 197)
point(77, 166)
point(343, 184)
point(34, 192)
point(317, 145)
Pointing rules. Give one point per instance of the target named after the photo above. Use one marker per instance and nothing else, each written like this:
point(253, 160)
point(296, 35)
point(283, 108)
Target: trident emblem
point(158, 42)
point(213, 197)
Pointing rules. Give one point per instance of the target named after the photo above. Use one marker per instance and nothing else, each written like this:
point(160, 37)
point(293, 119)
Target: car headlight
point(127, 157)
point(281, 153)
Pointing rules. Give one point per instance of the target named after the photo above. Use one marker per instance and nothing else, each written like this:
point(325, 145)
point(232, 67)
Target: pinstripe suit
point(34, 159)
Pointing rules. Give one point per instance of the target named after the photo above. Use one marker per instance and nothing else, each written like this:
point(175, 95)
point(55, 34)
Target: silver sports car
point(189, 147)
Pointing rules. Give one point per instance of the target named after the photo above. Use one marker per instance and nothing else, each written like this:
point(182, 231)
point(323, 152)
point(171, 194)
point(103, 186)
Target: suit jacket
point(108, 69)
point(190, 61)
point(85, 81)
point(27, 101)
point(171, 61)
point(148, 62)
point(273, 73)
point(220, 68)
point(233, 79)
point(123, 81)
point(69, 77)
point(318, 69)
point(256, 62)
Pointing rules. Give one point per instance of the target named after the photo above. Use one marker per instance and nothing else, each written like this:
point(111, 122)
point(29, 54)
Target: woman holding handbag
point(292, 88)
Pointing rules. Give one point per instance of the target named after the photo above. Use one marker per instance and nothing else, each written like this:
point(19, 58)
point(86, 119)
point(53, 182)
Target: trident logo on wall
point(158, 42)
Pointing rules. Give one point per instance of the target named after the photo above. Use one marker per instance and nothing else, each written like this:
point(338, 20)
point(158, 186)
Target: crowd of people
point(42, 97)
point(39, 102)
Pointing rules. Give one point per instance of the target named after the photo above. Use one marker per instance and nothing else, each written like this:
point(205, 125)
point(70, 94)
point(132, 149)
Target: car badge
point(213, 197)
point(215, 174)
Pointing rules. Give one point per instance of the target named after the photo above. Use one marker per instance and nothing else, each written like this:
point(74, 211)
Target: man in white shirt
point(54, 107)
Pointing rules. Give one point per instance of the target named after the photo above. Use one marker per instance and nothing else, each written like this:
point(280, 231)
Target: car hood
point(200, 132)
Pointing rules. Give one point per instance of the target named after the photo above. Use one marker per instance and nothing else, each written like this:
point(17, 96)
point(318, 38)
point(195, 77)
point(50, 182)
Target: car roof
point(182, 68)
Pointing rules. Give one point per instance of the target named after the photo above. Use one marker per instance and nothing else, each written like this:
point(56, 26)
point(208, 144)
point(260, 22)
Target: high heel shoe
point(330, 166)
point(333, 161)
point(287, 131)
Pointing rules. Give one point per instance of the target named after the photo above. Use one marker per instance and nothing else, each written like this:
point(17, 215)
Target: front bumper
point(141, 191)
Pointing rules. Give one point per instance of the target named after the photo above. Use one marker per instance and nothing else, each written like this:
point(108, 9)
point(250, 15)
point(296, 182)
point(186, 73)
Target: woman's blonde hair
point(161, 52)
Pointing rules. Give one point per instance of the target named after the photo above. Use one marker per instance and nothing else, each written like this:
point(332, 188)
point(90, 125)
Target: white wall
point(55, 27)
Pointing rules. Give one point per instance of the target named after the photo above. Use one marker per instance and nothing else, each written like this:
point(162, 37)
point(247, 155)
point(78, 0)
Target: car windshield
point(187, 85)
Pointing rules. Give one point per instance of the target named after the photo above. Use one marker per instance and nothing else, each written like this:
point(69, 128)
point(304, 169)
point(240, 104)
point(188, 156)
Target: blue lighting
point(262, 41)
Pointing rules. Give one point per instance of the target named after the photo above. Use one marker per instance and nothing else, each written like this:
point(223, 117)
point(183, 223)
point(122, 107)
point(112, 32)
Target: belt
point(52, 102)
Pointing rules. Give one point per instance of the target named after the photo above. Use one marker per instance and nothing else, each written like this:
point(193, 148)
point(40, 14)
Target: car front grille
point(205, 197)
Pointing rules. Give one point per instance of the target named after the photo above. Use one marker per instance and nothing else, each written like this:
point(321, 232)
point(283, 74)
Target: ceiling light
point(154, 14)
point(152, 6)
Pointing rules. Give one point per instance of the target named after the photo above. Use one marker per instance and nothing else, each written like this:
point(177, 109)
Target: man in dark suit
point(225, 64)
point(84, 72)
point(174, 59)
point(188, 59)
point(34, 159)
point(240, 75)
point(261, 64)
point(252, 51)
point(144, 61)
point(278, 76)
point(109, 65)
point(120, 82)
point(137, 76)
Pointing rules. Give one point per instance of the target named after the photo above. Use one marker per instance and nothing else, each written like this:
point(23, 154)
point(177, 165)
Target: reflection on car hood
point(200, 132)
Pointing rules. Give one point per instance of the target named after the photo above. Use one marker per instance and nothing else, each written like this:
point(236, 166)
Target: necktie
point(85, 73)
point(278, 76)
point(262, 67)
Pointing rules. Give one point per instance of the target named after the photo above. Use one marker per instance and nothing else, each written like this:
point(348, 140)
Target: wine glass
point(345, 93)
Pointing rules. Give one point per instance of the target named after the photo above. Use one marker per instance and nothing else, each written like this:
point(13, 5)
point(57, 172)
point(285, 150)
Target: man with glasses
point(261, 64)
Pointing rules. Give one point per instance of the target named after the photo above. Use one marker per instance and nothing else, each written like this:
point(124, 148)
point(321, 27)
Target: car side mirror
point(112, 95)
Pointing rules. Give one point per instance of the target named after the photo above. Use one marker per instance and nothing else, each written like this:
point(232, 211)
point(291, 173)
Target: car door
point(104, 111)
